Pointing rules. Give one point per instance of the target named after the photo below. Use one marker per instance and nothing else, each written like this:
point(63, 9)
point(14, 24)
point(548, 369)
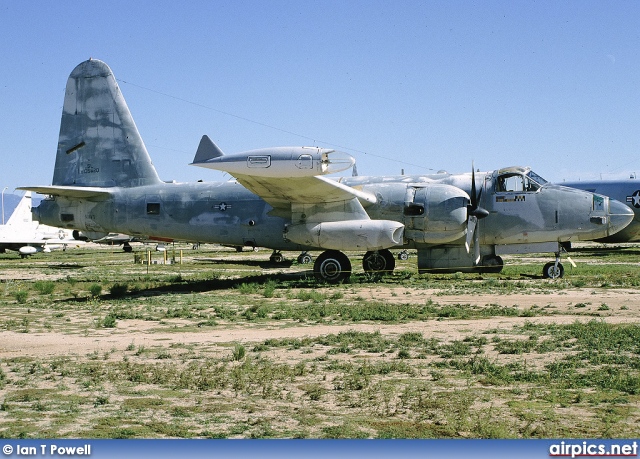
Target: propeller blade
point(475, 213)
point(476, 246)
point(474, 200)
point(471, 229)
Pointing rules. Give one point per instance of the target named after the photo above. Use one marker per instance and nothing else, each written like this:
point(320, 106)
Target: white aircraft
point(26, 236)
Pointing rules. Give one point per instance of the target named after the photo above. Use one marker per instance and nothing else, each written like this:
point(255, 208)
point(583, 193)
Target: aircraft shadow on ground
point(260, 264)
point(298, 279)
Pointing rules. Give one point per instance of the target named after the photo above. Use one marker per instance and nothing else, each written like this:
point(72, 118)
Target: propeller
point(474, 213)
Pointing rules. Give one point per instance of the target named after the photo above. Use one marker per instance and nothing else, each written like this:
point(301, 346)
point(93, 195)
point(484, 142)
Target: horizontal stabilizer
point(69, 191)
point(207, 150)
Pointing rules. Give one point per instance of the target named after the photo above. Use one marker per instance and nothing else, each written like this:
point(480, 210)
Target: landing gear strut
point(553, 269)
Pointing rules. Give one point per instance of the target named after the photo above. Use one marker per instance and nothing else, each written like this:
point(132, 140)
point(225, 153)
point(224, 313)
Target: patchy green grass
point(399, 356)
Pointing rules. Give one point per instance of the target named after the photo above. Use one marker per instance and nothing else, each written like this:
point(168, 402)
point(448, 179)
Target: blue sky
point(413, 85)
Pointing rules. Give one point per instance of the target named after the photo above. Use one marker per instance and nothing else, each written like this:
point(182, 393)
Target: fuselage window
point(414, 210)
point(305, 162)
point(259, 161)
point(153, 208)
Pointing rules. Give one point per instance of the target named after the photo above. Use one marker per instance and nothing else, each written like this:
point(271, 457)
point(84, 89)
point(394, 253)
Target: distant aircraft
point(104, 182)
point(627, 191)
point(26, 236)
point(108, 239)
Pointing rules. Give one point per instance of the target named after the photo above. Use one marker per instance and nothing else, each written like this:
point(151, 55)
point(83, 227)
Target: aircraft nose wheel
point(551, 271)
point(332, 266)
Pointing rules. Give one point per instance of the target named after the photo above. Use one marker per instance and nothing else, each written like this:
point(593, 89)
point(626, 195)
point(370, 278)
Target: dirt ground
point(624, 307)
point(536, 301)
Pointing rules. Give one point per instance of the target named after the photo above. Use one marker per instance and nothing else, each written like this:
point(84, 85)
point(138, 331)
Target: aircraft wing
point(70, 191)
point(292, 179)
point(282, 192)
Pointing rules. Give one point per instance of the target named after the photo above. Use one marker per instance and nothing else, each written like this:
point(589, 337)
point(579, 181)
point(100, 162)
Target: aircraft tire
point(550, 272)
point(492, 264)
point(332, 266)
point(127, 248)
point(403, 256)
point(304, 258)
point(381, 261)
point(276, 257)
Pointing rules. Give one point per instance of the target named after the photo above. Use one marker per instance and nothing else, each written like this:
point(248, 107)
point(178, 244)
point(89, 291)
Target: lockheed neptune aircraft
point(104, 182)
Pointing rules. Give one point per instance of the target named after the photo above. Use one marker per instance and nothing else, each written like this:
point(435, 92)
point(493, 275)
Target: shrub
point(45, 287)
point(21, 296)
point(95, 290)
point(109, 321)
point(239, 352)
point(118, 290)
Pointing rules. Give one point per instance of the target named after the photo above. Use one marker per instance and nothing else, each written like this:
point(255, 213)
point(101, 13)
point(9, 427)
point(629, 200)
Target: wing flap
point(282, 193)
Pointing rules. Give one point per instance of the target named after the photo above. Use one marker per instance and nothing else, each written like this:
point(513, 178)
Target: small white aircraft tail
point(21, 219)
point(27, 236)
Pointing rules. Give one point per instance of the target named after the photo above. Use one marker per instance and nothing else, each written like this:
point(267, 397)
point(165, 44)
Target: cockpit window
point(518, 183)
point(536, 178)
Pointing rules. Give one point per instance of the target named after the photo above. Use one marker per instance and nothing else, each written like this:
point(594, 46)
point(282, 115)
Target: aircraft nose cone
point(620, 215)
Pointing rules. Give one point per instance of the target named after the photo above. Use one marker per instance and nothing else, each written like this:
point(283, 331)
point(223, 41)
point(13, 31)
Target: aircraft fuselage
point(227, 213)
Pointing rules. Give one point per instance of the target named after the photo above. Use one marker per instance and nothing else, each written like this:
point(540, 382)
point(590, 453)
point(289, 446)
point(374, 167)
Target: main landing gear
point(380, 261)
point(333, 266)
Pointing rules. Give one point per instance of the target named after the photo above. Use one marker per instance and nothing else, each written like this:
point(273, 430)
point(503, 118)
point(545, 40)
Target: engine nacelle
point(347, 235)
point(284, 162)
point(436, 214)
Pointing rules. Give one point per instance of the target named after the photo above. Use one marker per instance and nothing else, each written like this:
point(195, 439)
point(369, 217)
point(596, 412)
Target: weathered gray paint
point(104, 182)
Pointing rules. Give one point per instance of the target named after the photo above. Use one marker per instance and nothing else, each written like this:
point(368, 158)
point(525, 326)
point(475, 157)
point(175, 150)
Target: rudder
point(99, 144)
point(22, 213)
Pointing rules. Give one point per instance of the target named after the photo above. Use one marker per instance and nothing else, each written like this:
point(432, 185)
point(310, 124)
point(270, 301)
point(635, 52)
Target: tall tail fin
point(99, 143)
point(21, 216)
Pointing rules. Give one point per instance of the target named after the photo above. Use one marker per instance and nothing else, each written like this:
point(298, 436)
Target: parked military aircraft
point(26, 236)
point(108, 239)
point(104, 182)
point(627, 191)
